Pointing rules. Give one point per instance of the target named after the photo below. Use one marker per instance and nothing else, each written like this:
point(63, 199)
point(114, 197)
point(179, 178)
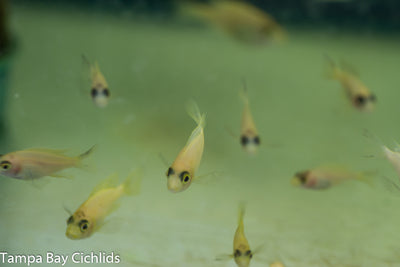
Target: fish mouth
point(174, 184)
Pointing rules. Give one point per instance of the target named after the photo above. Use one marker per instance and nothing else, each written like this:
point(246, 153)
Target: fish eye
point(185, 177)
point(94, 92)
point(70, 220)
point(244, 140)
point(237, 253)
point(302, 176)
point(248, 253)
point(5, 165)
point(106, 92)
point(360, 100)
point(257, 140)
point(84, 225)
point(170, 171)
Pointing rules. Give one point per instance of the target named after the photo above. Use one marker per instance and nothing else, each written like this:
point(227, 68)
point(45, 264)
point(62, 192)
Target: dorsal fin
point(109, 182)
point(48, 150)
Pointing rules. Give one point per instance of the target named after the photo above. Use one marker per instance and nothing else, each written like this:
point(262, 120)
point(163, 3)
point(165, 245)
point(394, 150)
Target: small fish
point(324, 177)
point(241, 248)
point(90, 216)
point(277, 264)
point(358, 94)
point(182, 171)
point(38, 162)
point(239, 19)
point(99, 92)
point(249, 137)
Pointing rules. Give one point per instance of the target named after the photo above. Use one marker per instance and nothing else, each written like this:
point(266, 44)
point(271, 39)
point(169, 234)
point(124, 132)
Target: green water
point(152, 70)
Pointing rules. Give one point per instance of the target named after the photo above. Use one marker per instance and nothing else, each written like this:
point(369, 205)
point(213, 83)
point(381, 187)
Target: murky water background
point(152, 70)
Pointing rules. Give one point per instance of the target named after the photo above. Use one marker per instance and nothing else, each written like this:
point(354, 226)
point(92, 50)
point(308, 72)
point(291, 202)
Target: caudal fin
point(133, 182)
point(194, 112)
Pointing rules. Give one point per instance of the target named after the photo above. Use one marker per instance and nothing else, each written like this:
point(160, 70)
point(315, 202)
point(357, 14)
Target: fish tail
point(194, 112)
point(133, 182)
point(332, 71)
point(242, 210)
point(83, 156)
point(243, 93)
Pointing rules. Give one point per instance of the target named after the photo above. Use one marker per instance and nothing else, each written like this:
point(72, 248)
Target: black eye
point(257, 140)
point(170, 171)
point(244, 140)
point(248, 253)
point(185, 176)
point(5, 165)
point(94, 92)
point(302, 176)
point(106, 92)
point(70, 220)
point(360, 100)
point(84, 224)
point(237, 253)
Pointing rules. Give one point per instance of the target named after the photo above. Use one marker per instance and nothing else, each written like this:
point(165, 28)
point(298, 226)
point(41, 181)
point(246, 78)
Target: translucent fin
point(231, 132)
point(224, 257)
point(164, 160)
point(331, 69)
point(349, 68)
point(64, 176)
point(111, 225)
point(110, 182)
point(258, 249)
point(391, 186)
point(194, 112)
point(85, 60)
point(88, 152)
point(83, 156)
point(132, 184)
point(48, 150)
point(208, 178)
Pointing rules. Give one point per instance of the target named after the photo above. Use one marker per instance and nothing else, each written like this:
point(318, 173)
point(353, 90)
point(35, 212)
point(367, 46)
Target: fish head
point(100, 96)
point(178, 181)
point(364, 101)
point(300, 178)
point(9, 165)
point(250, 143)
point(78, 227)
point(242, 257)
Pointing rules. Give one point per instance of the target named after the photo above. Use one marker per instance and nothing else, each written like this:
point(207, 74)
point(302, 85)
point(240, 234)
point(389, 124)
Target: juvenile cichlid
point(99, 92)
point(240, 20)
point(359, 95)
point(182, 171)
point(249, 138)
point(38, 162)
point(324, 177)
point(90, 216)
point(241, 248)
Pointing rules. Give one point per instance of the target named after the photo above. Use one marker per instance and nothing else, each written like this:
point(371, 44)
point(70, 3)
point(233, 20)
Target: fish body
point(240, 20)
point(37, 162)
point(90, 216)
point(249, 138)
point(359, 95)
point(99, 91)
point(182, 171)
point(241, 248)
point(324, 177)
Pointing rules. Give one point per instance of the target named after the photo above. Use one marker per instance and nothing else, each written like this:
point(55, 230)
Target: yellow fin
point(133, 182)
point(242, 209)
point(110, 182)
point(194, 112)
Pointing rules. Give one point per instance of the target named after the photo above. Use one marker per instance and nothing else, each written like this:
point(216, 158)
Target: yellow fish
point(182, 171)
point(89, 217)
point(38, 162)
point(324, 177)
point(249, 137)
point(99, 92)
point(359, 95)
point(240, 20)
point(242, 253)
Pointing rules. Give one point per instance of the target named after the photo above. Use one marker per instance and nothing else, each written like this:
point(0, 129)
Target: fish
point(182, 171)
point(36, 163)
point(242, 253)
point(90, 216)
point(99, 92)
point(249, 137)
point(356, 91)
point(239, 19)
point(325, 177)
